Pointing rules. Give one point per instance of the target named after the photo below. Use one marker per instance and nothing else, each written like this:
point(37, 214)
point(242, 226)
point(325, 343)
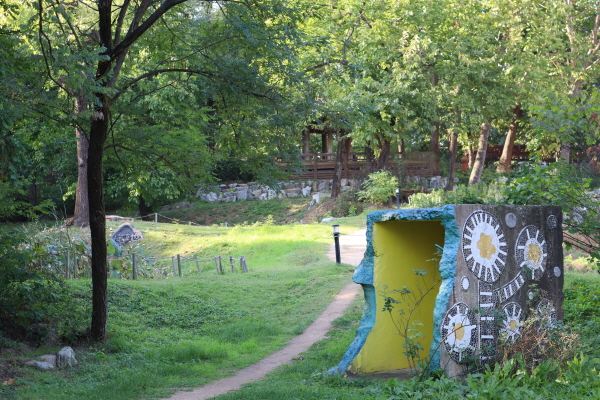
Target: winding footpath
point(352, 250)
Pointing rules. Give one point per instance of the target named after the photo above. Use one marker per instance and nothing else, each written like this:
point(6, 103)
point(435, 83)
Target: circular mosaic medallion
point(531, 295)
point(513, 320)
point(552, 222)
point(557, 272)
point(511, 220)
point(531, 251)
point(484, 246)
point(459, 332)
point(464, 282)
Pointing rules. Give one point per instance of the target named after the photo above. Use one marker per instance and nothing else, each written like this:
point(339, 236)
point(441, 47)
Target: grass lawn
point(183, 332)
point(172, 333)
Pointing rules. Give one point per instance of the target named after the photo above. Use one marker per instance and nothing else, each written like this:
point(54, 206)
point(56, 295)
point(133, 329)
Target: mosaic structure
point(500, 265)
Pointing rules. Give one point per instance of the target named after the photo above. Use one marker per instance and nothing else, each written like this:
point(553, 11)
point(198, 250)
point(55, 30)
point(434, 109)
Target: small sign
point(126, 233)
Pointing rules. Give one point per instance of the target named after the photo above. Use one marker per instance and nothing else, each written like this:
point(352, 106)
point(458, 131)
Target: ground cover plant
point(577, 378)
point(288, 210)
point(173, 332)
point(180, 332)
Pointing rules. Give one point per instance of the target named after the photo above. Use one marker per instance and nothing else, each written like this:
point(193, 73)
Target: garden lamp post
point(398, 198)
point(336, 238)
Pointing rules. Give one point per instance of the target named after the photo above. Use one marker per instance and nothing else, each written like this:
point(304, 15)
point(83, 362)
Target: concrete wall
point(499, 266)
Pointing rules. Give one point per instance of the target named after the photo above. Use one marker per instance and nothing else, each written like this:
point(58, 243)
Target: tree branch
point(335, 61)
point(136, 31)
point(156, 72)
point(120, 20)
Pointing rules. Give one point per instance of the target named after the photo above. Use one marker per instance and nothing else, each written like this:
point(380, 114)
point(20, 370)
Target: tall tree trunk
point(370, 157)
point(98, 133)
point(452, 161)
point(144, 209)
point(453, 145)
point(401, 147)
point(81, 215)
point(434, 137)
point(337, 174)
point(504, 164)
point(471, 155)
point(384, 151)
point(481, 150)
point(434, 140)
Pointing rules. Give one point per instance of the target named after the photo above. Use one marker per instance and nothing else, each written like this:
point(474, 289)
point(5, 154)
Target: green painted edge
point(364, 276)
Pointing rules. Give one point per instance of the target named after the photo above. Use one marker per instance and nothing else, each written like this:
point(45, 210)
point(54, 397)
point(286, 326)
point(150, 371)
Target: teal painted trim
point(448, 274)
point(366, 325)
point(364, 275)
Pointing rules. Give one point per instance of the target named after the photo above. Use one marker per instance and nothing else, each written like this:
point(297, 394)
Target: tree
point(127, 41)
point(481, 150)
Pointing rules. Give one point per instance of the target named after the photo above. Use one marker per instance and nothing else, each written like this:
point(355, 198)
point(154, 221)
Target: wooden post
point(173, 263)
point(220, 264)
point(67, 267)
point(231, 263)
point(197, 265)
point(179, 264)
point(316, 175)
point(216, 264)
point(155, 218)
point(133, 266)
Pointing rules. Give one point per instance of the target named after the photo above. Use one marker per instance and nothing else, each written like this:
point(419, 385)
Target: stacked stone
point(252, 190)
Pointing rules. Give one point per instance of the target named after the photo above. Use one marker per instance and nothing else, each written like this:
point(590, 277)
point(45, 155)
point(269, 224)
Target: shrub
point(35, 305)
point(562, 185)
point(347, 204)
point(480, 193)
point(378, 187)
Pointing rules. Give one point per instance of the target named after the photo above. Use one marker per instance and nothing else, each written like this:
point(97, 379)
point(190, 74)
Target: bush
point(35, 305)
point(347, 204)
point(379, 187)
point(562, 185)
point(480, 193)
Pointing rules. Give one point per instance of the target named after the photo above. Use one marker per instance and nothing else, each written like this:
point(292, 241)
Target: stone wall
point(253, 190)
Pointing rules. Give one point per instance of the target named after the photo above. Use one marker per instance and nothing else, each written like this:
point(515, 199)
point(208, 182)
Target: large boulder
point(242, 195)
point(323, 186)
point(65, 358)
point(292, 192)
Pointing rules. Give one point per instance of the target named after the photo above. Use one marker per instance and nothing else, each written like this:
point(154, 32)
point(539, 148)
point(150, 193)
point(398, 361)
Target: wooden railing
point(519, 153)
point(318, 166)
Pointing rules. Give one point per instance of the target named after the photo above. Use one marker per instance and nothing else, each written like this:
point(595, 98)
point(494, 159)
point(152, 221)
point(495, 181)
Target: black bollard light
point(398, 198)
point(336, 238)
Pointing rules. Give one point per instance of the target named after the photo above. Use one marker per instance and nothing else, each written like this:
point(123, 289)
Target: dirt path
point(352, 249)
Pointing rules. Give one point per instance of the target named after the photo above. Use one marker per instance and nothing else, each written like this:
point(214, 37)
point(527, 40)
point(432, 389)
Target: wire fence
point(73, 265)
point(156, 216)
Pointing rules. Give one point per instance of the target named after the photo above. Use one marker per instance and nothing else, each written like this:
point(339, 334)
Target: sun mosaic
point(484, 246)
point(486, 254)
point(531, 251)
point(459, 332)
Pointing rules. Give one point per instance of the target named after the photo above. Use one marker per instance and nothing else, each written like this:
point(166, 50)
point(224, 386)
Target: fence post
point(67, 268)
point(197, 264)
point(155, 218)
point(133, 266)
point(231, 263)
point(179, 264)
point(220, 264)
point(243, 264)
point(173, 263)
